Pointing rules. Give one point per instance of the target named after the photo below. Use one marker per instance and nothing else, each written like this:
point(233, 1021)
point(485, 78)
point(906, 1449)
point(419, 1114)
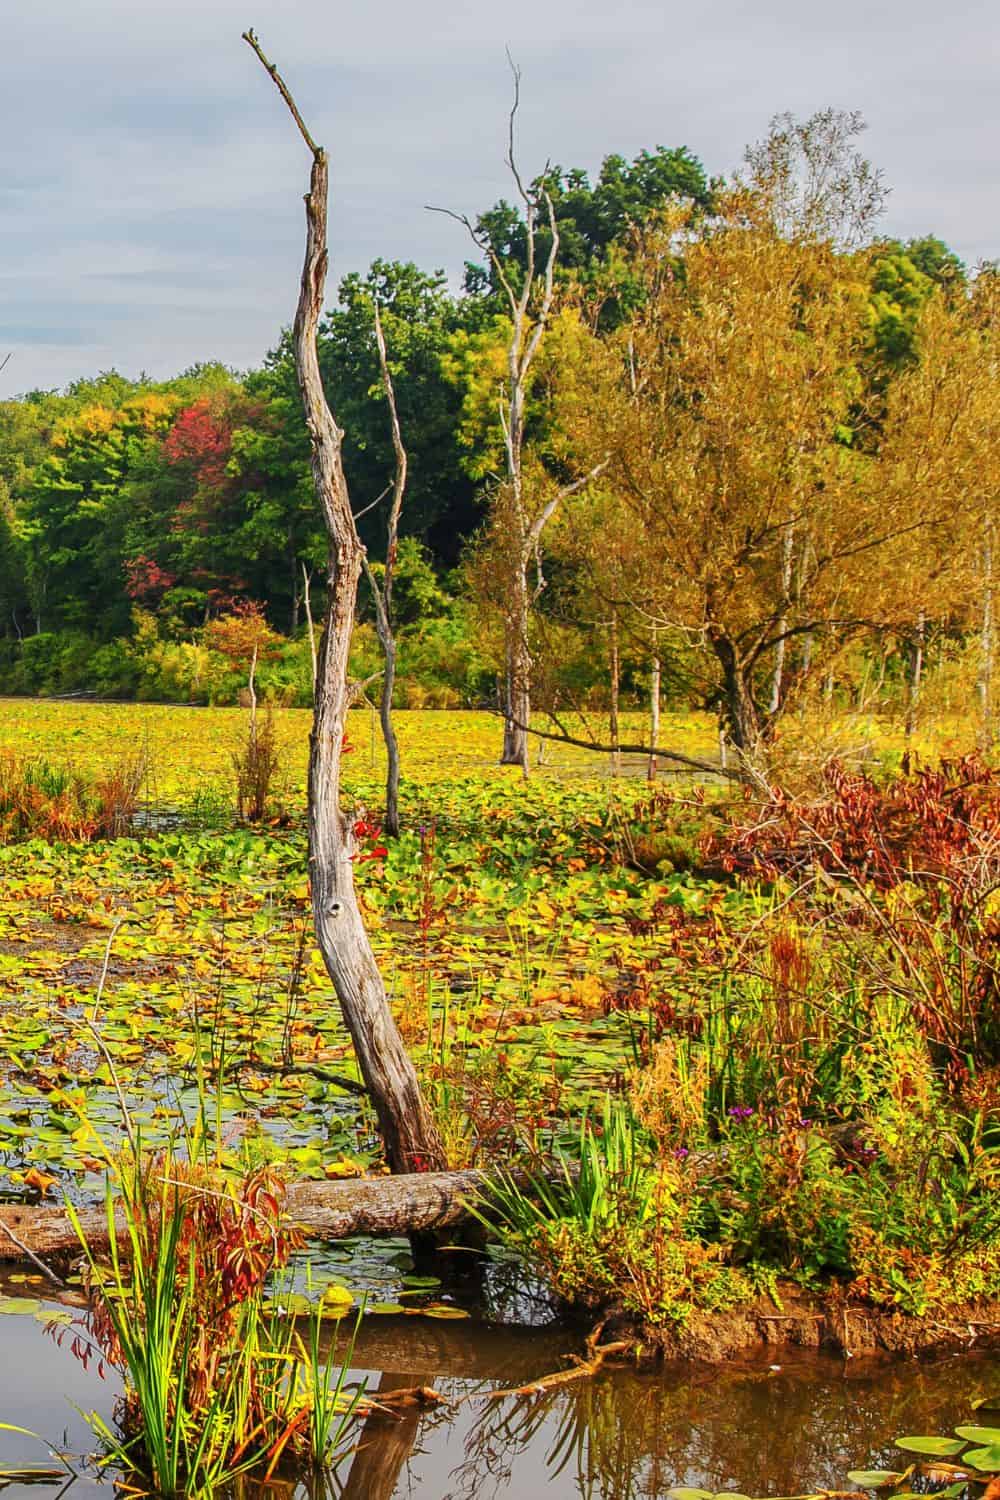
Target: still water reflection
point(621, 1436)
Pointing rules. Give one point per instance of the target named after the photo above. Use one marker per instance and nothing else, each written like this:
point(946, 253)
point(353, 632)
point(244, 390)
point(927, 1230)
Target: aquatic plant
point(217, 1379)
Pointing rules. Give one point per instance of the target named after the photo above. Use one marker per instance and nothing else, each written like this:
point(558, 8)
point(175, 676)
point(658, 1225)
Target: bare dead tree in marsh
point(408, 1132)
point(382, 592)
point(531, 306)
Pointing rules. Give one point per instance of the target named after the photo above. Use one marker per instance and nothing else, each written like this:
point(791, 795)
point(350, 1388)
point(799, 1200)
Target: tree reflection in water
point(623, 1436)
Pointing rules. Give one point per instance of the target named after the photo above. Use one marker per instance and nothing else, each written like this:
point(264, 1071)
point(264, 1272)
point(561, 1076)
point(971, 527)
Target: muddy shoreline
point(827, 1323)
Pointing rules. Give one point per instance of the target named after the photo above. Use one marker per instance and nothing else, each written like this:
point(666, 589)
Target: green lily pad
point(28, 1305)
point(933, 1447)
point(987, 1437)
point(439, 1310)
point(54, 1316)
point(874, 1479)
point(985, 1460)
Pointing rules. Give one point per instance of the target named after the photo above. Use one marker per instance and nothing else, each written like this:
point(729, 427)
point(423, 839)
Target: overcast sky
point(151, 180)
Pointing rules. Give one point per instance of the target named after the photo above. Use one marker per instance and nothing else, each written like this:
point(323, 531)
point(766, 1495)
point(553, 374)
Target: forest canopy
point(790, 424)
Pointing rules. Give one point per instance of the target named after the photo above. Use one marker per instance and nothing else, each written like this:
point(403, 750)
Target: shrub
point(256, 765)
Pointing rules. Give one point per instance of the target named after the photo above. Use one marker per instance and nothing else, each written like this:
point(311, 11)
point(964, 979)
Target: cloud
point(151, 181)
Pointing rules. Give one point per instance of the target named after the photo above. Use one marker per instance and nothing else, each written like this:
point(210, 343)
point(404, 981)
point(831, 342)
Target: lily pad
point(988, 1437)
point(874, 1479)
point(986, 1460)
point(32, 1476)
point(26, 1305)
point(934, 1447)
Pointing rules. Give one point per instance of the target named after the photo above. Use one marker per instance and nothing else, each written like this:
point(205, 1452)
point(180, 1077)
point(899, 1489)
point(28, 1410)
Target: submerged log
point(404, 1204)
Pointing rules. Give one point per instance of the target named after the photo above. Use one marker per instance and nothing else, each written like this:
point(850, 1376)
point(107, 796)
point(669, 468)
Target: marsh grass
point(218, 1380)
point(41, 799)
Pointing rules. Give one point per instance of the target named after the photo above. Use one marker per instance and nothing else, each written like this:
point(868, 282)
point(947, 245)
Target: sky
point(151, 179)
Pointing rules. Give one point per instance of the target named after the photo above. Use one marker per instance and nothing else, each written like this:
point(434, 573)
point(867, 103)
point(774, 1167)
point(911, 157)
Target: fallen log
point(407, 1203)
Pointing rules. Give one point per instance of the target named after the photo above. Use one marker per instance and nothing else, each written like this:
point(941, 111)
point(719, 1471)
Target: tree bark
point(410, 1138)
point(654, 714)
point(404, 1204)
point(777, 680)
point(616, 755)
point(296, 597)
point(382, 596)
point(742, 717)
point(517, 711)
point(916, 675)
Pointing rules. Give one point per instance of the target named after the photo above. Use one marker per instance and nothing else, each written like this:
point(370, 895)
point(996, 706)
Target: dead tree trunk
point(409, 1135)
point(526, 336)
point(382, 594)
point(414, 1203)
point(517, 671)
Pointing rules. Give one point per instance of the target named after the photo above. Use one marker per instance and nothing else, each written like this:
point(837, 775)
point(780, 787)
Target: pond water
point(755, 1428)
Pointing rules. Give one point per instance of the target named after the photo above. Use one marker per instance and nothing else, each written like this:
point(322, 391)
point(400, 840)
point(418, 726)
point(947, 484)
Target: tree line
point(716, 440)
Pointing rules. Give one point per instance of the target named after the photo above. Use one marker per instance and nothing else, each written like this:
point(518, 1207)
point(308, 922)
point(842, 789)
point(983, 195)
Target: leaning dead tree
point(411, 1140)
point(382, 592)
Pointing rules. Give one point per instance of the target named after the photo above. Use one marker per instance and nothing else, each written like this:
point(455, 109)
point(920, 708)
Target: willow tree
point(940, 446)
point(411, 1140)
point(732, 408)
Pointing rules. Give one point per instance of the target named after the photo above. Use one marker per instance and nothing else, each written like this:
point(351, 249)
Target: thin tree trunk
point(654, 714)
point(383, 595)
point(252, 689)
point(411, 1140)
point(916, 676)
point(616, 758)
point(777, 680)
point(389, 735)
point(296, 600)
point(987, 644)
point(517, 711)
